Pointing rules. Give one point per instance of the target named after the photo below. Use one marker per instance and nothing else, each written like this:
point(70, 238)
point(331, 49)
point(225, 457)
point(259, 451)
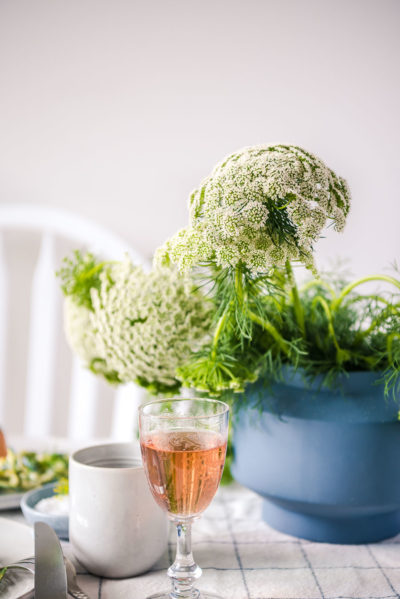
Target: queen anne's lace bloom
point(260, 207)
point(147, 324)
point(81, 337)
point(79, 331)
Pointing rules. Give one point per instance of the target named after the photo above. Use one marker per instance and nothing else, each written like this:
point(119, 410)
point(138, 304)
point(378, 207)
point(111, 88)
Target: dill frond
point(79, 275)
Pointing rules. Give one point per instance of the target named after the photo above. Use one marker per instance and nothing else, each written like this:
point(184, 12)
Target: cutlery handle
point(78, 594)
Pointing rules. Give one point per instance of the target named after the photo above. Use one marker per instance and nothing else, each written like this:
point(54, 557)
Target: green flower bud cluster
point(260, 207)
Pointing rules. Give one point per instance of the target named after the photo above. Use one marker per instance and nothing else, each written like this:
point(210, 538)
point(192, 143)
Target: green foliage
point(79, 275)
point(243, 341)
point(325, 328)
point(158, 388)
point(259, 323)
point(346, 330)
point(227, 477)
point(62, 487)
point(99, 366)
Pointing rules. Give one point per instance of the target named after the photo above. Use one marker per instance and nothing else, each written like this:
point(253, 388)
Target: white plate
point(16, 542)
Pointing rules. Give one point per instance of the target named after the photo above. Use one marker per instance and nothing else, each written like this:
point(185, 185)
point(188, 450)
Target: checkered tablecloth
point(243, 558)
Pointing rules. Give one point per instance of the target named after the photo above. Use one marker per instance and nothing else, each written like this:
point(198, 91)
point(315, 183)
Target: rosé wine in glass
point(183, 443)
point(184, 469)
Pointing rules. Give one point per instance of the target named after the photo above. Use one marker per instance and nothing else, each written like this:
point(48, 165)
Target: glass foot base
point(201, 595)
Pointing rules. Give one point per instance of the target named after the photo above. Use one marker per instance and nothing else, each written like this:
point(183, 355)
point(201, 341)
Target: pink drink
point(183, 468)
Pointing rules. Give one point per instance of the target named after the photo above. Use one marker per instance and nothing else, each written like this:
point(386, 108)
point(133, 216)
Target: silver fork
point(73, 587)
point(28, 563)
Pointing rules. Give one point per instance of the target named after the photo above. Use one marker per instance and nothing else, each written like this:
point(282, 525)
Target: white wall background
point(118, 108)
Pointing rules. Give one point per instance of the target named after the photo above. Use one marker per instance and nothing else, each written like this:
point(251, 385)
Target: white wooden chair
point(46, 324)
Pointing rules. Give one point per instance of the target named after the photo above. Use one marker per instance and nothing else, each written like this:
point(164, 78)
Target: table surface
point(243, 558)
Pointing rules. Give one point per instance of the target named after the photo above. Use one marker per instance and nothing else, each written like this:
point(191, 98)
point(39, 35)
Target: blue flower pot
point(326, 462)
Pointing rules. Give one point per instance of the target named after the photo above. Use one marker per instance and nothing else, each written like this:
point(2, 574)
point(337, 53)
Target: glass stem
point(184, 570)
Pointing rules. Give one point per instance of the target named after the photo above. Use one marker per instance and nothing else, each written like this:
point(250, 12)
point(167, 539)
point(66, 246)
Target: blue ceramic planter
point(327, 462)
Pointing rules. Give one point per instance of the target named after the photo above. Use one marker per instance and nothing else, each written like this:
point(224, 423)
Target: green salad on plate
point(25, 470)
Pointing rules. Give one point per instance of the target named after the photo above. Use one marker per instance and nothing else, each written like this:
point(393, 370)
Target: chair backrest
point(45, 329)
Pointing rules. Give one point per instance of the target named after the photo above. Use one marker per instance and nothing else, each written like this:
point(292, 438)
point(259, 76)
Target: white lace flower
point(260, 207)
point(79, 331)
point(148, 324)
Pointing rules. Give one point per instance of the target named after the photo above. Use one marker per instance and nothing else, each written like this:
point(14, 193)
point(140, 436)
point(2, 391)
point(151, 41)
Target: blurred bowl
point(60, 523)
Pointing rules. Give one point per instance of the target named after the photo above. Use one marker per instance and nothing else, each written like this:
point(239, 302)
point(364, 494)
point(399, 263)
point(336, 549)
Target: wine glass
point(183, 443)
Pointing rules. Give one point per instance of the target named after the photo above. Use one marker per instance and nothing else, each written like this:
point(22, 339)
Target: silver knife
point(50, 574)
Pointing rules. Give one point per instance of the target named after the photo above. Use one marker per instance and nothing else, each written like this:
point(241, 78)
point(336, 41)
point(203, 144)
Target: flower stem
point(336, 302)
point(390, 340)
point(341, 354)
point(239, 285)
point(269, 327)
point(298, 308)
point(218, 330)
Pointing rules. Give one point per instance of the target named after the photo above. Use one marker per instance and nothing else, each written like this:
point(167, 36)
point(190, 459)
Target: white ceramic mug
point(116, 528)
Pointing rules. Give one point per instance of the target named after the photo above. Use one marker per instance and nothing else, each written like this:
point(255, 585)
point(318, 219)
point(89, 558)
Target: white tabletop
point(243, 558)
